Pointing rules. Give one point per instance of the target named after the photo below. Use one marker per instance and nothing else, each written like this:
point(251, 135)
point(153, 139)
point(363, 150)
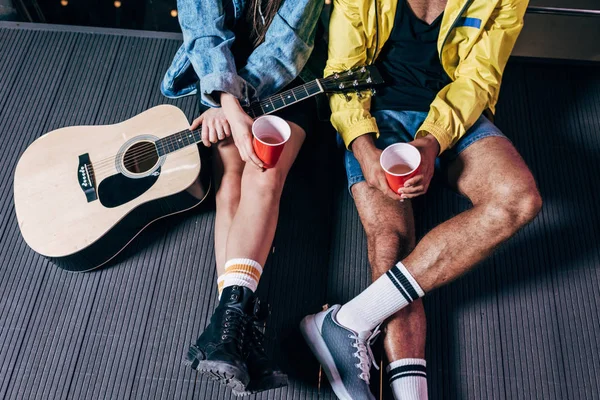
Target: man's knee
point(530, 204)
point(387, 243)
point(515, 203)
point(388, 226)
point(388, 234)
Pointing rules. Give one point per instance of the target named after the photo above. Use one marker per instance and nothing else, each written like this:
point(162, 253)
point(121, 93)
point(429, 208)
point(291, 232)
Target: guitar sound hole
point(140, 157)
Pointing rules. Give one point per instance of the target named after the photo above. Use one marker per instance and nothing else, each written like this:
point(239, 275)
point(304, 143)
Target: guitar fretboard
point(274, 103)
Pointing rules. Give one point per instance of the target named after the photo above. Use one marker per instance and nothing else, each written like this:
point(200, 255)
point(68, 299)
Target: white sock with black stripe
point(408, 379)
point(393, 291)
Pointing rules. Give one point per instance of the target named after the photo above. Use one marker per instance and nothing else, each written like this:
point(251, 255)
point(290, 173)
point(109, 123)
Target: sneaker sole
point(221, 372)
point(317, 345)
point(268, 383)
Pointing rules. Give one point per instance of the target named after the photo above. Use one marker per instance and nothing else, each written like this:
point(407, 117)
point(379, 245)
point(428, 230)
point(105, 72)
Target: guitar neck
point(284, 99)
point(270, 105)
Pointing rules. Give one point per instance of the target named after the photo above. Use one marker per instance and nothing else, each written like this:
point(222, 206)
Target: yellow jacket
point(476, 39)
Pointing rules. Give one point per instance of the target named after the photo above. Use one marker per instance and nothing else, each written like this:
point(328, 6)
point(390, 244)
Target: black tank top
point(410, 64)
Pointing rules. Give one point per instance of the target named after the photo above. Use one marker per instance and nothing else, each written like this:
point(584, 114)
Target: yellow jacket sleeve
point(348, 49)
point(477, 78)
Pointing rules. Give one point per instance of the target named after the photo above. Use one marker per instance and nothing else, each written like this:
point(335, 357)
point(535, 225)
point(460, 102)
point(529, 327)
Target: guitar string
point(131, 158)
point(150, 152)
point(172, 140)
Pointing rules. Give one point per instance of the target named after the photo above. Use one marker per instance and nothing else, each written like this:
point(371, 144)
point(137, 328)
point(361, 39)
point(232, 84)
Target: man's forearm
point(363, 145)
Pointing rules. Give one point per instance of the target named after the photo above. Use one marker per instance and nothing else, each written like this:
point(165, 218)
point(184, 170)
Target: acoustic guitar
point(82, 193)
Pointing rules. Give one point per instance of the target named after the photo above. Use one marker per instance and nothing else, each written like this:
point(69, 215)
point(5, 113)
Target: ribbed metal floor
point(523, 326)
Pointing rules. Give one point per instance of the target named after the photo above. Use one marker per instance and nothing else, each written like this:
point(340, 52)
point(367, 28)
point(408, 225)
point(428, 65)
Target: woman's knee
point(268, 183)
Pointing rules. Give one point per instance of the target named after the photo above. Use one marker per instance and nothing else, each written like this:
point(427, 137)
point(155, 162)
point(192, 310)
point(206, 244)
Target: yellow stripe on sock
point(243, 269)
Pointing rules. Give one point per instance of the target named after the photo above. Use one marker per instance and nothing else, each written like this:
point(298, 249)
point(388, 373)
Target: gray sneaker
point(344, 354)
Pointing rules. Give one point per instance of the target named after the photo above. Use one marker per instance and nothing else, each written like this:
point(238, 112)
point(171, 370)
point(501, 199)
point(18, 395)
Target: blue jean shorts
point(401, 127)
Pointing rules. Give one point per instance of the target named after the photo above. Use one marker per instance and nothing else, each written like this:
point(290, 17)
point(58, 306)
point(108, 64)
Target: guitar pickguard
point(118, 189)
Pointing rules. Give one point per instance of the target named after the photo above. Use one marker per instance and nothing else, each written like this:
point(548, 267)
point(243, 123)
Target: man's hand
point(368, 155)
point(429, 148)
point(214, 126)
point(241, 129)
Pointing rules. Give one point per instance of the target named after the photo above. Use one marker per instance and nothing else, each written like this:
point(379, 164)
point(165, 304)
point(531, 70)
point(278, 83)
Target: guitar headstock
point(353, 80)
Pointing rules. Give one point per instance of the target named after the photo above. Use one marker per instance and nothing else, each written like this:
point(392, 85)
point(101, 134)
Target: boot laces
point(234, 327)
point(257, 336)
point(257, 326)
point(365, 354)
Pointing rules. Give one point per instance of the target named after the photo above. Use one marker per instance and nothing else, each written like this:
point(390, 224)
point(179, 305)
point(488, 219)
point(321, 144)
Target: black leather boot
point(219, 351)
point(263, 375)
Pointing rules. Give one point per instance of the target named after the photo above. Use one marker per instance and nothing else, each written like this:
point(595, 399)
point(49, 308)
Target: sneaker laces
point(365, 354)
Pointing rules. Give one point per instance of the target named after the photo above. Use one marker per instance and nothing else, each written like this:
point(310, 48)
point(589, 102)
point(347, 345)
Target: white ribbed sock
point(393, 291)
point(408, 379)
point(240, 272)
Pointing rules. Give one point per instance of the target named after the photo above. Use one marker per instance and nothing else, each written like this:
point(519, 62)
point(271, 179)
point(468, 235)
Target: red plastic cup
point(400, 162)
point(271, 133)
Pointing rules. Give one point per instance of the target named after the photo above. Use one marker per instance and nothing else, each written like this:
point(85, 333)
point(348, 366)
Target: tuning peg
point(373, 92)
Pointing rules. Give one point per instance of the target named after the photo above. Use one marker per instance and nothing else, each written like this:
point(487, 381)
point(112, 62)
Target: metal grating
point(521, 326)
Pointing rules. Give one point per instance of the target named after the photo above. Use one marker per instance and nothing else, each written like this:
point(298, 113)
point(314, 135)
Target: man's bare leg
point(494, 177)
point(390, 230)
point(505, 198)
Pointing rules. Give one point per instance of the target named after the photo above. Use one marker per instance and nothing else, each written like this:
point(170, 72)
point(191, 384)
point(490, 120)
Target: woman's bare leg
point(253, 227)
point(228, 168)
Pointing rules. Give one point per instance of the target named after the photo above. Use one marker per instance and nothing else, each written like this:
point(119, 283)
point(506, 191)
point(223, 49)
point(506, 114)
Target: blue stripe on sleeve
point(472, 22)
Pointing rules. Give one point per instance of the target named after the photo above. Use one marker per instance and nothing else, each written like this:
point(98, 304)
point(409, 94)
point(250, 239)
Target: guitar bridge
point(85, 177)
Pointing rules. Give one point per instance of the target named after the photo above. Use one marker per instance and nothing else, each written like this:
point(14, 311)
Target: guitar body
point(83, 193)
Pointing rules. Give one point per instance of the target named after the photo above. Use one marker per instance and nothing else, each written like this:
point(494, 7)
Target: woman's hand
point(241, 129)
point(214, 126)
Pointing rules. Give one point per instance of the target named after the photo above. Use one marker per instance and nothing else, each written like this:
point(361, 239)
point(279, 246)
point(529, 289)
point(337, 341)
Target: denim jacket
point(205, 54)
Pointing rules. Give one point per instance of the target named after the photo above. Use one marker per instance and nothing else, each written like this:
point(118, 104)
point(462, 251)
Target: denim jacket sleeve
point(207, 44)
point(287, 46)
